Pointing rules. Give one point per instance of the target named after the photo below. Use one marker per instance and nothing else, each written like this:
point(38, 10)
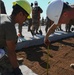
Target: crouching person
point(8, 36)
point(60, 13)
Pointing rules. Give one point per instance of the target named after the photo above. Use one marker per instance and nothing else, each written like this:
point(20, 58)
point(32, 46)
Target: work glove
point(17, 71)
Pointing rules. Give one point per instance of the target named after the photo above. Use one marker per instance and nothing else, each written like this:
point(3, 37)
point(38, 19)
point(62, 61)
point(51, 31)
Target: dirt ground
point(60, 55)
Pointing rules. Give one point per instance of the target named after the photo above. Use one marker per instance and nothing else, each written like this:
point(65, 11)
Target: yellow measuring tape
point(47, 59)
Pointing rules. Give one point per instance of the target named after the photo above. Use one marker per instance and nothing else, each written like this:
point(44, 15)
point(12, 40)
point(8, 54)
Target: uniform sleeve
point(40, 10)
point(10, 32)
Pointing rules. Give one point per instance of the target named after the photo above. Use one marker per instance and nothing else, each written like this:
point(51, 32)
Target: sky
point(42, 3)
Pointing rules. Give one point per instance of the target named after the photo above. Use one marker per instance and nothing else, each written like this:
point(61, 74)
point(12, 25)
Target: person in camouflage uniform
point(36, 11)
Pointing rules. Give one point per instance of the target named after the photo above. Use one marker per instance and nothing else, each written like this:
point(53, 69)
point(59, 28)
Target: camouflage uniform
point(36, 19)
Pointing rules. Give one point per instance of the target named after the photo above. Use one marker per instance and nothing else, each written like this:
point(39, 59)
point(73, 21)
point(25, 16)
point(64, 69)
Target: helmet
point(54, 10)
point(24, 4)
point(28, 17)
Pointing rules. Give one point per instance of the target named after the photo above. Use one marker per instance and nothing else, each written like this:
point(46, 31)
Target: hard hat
point(54, 10)
point(24, 4)
point(29, 17)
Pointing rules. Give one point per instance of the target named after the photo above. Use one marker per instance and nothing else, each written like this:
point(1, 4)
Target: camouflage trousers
point(35, 25)
point(5, 66)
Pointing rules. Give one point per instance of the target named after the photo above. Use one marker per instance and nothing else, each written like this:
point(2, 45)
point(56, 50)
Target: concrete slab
point(29, 40)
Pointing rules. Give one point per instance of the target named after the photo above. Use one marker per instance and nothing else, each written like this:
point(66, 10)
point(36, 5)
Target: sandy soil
point(60, 55)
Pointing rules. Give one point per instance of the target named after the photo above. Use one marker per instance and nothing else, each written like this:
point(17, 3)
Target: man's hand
point(49, 32)
point(46, 41)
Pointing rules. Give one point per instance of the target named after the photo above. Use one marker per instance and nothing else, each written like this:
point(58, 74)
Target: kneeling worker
point(8, 36)
point(60, 13)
